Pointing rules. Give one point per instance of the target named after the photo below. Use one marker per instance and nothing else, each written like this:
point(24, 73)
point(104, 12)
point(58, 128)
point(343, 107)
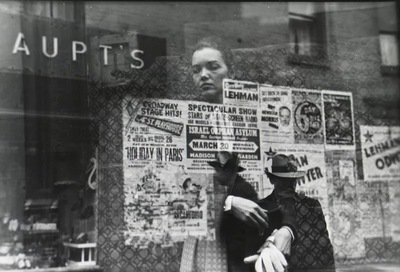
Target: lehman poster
point(380, 147)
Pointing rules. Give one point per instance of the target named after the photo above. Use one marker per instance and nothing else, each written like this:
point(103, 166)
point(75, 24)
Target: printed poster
point(394, 197)
point(162, 205)
point(374, 206)
point(380, 146)
point(346, 171)
point(307, 107)
point(338, 120)
point(310, 158)
point(276, 114)
point(240, 93)
point(215, 127)
point(345, 232)
point(345, 216)
point(163, 202)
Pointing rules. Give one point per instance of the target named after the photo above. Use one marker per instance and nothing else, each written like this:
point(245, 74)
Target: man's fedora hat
point(284, 166)
point(226, 161)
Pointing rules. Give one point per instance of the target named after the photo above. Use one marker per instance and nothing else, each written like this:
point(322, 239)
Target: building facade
point(69, 71)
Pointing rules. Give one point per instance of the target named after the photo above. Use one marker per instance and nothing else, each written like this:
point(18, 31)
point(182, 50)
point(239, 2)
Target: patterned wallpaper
point(353, 66)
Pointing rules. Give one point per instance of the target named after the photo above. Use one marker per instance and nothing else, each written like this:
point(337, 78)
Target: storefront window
point(113, 118)
point(389, 50)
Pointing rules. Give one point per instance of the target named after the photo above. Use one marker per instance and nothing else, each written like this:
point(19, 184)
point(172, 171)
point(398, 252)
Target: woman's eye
point(213, 66)
point(195, 70)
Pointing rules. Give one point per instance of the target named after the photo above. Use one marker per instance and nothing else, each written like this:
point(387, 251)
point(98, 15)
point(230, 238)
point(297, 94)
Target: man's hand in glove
point(282, 239)
point(270, 260)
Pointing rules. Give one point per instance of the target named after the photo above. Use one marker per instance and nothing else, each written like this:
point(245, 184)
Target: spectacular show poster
point(215, 127)
point(276, 114)
point(380, 146)
point(212, 128)
point(338, 120)
point(168, 185)
point(307, 107)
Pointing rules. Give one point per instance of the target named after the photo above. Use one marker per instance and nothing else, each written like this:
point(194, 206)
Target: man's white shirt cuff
point(290, 231)
point(228, 203)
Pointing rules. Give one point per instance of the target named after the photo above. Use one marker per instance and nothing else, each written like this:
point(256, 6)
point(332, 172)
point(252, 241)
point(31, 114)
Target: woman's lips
point(207, 86)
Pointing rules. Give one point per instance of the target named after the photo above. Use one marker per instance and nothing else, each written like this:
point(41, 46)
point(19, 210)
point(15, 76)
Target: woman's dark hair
point(218, 44)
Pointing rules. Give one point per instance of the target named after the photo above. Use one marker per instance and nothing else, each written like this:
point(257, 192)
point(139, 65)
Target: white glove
point(282, 239)
point(270, 260)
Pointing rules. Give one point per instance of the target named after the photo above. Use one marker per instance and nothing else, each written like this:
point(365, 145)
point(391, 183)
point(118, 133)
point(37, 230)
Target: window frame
point(318, 40)
point(385, 68)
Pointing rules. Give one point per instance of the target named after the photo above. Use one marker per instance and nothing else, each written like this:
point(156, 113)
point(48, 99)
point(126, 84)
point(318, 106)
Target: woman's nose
point(204, 73)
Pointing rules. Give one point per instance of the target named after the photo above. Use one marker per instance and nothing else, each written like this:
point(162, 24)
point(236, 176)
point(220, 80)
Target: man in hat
point(310, 222)
point(241, 209)
point(243, 206)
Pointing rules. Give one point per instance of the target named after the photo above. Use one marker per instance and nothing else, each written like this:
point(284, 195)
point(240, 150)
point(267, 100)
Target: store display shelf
point(40, 204)
point(86, 254)
point(35, 232)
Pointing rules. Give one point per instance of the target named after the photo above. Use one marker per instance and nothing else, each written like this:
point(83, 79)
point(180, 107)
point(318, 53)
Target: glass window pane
point(119, 121)
point(389, 49)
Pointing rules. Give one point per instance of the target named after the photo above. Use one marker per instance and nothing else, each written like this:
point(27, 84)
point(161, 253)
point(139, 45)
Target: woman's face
point(209, 69)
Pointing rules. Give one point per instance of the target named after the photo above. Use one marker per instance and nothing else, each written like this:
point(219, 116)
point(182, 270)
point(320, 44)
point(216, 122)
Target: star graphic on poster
point(270, 153)
point(368, 136)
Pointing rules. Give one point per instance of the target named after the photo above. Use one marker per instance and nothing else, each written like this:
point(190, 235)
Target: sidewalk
point(370, 268)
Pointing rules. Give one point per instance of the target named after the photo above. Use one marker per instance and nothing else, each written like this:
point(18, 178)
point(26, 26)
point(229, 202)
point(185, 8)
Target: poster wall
point(168, 184)
point(169, 190)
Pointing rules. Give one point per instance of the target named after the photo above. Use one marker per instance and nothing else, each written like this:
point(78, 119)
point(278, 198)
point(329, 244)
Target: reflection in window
point(306, 25)
point(63, 10)
point(301, 33)
point(389, 49)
